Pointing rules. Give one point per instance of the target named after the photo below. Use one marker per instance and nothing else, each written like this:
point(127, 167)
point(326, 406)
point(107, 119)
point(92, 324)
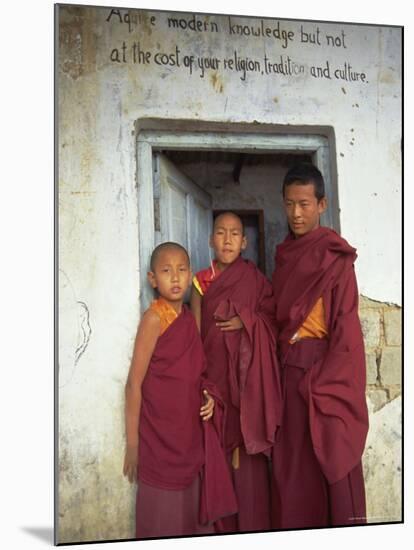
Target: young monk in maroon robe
point(183, 479)
point(233, 304)
point(317, 455)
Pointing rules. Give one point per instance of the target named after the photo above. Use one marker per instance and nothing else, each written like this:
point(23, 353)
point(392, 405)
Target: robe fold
point(243, 366)
point(243, 363)
point(175, 445)
point(321, 263)
point(218, 499)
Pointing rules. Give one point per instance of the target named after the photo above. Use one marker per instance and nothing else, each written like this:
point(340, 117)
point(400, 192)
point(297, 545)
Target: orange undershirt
point(205, 277)
point(314, 326)
point(165, 312)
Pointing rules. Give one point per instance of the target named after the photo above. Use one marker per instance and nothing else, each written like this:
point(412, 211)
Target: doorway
point(186, 177)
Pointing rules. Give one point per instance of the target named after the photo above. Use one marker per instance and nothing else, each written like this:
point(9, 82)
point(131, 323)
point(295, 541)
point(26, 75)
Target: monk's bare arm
point(145, 341)
point(195, 304)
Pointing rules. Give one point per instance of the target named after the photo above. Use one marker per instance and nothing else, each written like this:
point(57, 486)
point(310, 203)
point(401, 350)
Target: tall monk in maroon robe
point(184, 484)
point(317, 455)
point(233, 303)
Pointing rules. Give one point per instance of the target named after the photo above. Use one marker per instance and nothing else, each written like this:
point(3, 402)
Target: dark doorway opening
point(249, 184)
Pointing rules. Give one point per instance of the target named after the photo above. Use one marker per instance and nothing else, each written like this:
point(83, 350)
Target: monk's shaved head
point(163, 247)
point(229, 213)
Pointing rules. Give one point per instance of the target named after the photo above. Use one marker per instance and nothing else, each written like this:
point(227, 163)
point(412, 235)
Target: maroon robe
point(325, 419)
point(243, 366)
point(175, 446)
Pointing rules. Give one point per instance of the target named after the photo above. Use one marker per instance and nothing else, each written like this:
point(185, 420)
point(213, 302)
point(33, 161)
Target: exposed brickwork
point(371, 327)
point(382, 329)
point(392, 327)
point(372, 368)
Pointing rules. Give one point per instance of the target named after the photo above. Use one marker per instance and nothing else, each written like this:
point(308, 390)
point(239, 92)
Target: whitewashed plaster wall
point(101, 95)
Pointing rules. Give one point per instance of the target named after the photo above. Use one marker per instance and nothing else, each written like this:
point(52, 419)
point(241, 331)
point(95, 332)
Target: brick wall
point(382, 328)
point(381, 325)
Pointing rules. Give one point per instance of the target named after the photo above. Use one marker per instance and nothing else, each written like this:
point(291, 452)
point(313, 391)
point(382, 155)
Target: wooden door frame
point(159, 135)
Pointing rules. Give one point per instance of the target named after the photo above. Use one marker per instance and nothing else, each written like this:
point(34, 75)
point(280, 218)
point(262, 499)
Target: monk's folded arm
point(345, 302)
point(349, 298)
point(234, 323)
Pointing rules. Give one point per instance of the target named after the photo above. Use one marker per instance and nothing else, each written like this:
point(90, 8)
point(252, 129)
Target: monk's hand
point(206, 411)
point(131, 463)
point(235, 323)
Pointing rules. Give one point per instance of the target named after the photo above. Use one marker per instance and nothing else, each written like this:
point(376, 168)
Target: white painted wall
point(107, 97)
point(99, 102)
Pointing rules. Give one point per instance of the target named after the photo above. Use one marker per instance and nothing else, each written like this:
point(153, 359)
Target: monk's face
point(227, 239)
point(171, 275)
point(302, 208)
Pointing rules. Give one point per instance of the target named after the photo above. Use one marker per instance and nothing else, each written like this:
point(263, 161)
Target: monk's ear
point(151, 279)
point(191, 278)
point(244, 243)
point(322, 205)
point(210, 242)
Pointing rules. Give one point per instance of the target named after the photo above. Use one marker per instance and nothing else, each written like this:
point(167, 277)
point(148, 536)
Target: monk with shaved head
point(233, 304)
point(172, 438)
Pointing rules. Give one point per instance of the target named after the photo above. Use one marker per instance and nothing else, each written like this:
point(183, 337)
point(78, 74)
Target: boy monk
point(317, 456)
point(167, 451)
point(233, 304)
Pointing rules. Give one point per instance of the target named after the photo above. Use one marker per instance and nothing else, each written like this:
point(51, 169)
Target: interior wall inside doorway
point(258, 186)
